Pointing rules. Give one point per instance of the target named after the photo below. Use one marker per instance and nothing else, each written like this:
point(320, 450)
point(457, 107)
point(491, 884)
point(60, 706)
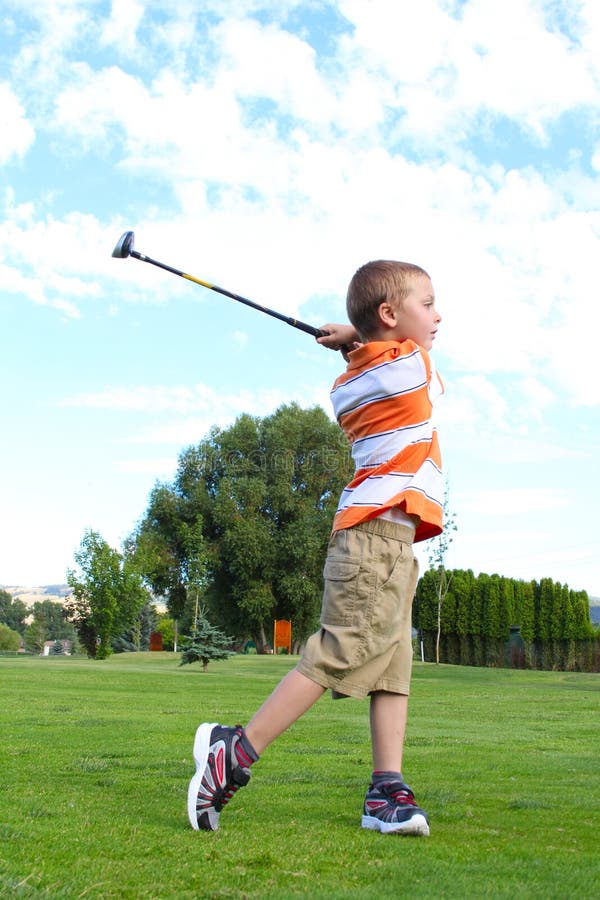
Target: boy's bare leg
point(223, 755)
point(388, 715)
point(292, 697)
point(390, 805)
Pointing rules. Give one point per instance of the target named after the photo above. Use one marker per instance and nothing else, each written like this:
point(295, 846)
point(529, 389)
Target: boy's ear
point(387, 314)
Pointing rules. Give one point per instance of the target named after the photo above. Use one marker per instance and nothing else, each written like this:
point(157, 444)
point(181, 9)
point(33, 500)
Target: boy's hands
point(339, 337)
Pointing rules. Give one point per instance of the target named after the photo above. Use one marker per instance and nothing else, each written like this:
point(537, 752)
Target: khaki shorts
point(364, 643)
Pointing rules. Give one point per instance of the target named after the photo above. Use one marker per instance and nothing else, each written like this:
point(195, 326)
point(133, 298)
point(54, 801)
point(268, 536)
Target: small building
point(51, 648)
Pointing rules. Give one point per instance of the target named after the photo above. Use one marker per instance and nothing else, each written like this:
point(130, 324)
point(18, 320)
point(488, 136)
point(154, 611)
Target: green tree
point(169, 552)
point(526, 618)
point(9, 639)
point(137, 636)
point(545, 606)
point(582, 625)
point(243, 529)
point(107, 595)
point(13, 612)
point(425, 602)
point(35, 636)
point(491, 609)
point(207, 642)
point(507, 606)
point(560, 612)
point(463, 588)
point(51, 614)
point(495, 620)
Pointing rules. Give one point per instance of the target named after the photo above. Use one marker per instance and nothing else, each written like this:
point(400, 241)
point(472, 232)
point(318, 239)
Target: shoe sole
point(416, 826)
point(201, 751)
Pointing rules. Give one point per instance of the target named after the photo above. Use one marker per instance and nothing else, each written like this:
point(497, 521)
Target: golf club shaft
point(295, 323)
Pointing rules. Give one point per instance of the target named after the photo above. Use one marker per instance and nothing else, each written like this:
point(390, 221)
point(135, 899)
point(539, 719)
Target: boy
point(383, 402)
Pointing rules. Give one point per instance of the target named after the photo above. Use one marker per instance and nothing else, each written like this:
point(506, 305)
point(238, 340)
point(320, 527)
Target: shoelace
point(403, 797)
point(226, 793)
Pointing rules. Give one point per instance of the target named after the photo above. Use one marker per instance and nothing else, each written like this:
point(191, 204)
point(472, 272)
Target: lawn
point(96, 756)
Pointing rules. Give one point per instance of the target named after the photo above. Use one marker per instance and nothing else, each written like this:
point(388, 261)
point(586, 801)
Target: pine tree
point(526, 619)
point(463, 587)
point(507, 605)
point(546, 603)
point(206, 642)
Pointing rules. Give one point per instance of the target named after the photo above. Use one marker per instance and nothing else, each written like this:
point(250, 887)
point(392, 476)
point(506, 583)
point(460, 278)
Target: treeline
point(30, 628)
point(239, 538)
point(490, 620)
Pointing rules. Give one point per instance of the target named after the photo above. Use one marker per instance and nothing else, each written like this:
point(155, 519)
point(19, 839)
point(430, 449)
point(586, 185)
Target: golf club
point(125, 248)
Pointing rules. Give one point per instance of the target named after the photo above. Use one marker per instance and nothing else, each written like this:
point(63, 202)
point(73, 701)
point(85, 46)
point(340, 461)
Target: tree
point(9, 639)
point(463, 589)
point(545, 605)
point(437, 552)
point(582, 625)
point(169, 553)
point(51, 614)
point(13, 612)
point(243, 528)
point(206, 642)
point(425, 602)
point(137, 636)
point(525, 604)
point(107, 595)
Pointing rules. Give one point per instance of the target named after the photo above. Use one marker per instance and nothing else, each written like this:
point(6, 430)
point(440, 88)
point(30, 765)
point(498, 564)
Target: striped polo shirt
point(384, 403)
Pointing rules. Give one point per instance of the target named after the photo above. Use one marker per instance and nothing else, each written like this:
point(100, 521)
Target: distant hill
point(595, 610)
point(57, 593)
point(30, 595)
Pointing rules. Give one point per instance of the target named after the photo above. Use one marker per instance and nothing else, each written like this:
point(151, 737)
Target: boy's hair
point(373, 284)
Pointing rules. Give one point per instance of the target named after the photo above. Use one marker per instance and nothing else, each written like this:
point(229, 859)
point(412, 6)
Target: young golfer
point(384, 403)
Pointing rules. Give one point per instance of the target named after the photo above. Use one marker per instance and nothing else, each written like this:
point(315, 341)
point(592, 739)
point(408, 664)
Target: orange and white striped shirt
point(384, 403)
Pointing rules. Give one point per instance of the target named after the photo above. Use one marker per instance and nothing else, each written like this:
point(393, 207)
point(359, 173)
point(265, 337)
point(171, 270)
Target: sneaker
point(218, 774)
point(391, 808)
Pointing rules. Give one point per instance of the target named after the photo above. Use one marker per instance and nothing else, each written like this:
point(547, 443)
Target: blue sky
point(272, 148)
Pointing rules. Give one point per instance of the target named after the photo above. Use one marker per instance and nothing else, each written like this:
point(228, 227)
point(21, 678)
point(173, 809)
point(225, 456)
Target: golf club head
point(124, 245)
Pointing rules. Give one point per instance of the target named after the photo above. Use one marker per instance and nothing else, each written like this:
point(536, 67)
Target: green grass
point(95, 759)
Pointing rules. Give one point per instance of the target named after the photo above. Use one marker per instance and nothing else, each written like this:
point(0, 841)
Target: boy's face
point(416, 316)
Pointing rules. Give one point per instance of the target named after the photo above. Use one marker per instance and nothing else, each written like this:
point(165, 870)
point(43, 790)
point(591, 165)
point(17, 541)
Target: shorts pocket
point(393, 601)
point(339, 593)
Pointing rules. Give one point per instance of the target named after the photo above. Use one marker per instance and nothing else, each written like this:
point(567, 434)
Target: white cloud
point(447, 70)
point(18, 134)
point(240, 338)
point(512, 501)
point(120, 29)
point(433, 131)
point(509, 252)
point(13, 282)
point(264, 61)
point(157, 467)
point(184, 400)
point(143, 399)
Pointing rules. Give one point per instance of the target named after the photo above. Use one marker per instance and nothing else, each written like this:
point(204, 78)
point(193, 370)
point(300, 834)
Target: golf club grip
point(289, 320)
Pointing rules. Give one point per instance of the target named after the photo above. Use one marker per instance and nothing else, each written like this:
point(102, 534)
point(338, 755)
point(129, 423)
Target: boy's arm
point(339, 337)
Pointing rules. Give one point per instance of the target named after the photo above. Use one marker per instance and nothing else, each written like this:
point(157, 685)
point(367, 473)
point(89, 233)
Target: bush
point(9, 639)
